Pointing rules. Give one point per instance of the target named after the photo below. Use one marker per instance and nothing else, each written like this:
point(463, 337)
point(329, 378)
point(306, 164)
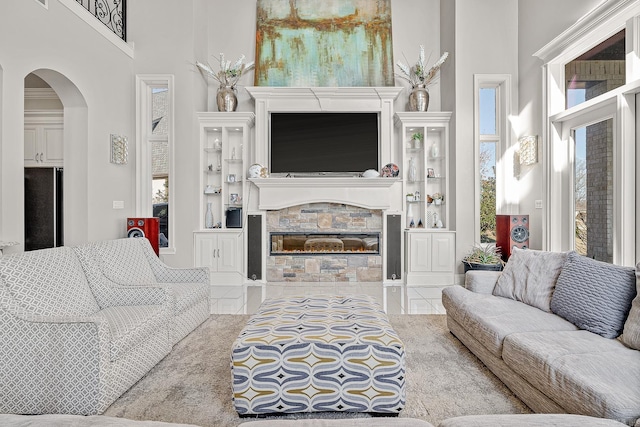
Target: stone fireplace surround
point(325, 218)
point(326, 204)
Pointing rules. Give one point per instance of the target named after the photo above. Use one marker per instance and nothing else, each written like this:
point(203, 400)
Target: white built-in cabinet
point(430, 257)
point(429, 244)
point(43, 140)
point(220, 251)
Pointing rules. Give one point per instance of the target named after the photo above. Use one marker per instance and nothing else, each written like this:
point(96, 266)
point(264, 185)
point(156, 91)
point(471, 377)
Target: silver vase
point(419, 98)
point(226, 99)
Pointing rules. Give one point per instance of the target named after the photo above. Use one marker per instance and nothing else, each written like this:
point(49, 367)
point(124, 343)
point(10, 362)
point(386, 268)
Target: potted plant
point(417, 139)
point(437, 198)
point(483, 257)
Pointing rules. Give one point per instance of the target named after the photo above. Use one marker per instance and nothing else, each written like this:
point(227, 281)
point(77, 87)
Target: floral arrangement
point(418, 74)
point(437, 196)
point(229, 74)
point(418, 136)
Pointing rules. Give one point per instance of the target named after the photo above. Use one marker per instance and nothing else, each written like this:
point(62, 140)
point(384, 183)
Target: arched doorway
point(66, 210)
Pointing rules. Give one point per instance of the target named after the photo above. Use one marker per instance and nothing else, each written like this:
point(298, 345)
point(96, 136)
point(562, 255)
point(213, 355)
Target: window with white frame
point(155, 148)
point(589, 165)
point(491, 111)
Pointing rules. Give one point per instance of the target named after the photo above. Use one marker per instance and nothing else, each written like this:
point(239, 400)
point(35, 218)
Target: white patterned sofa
point(562, 331)
point(133, 262)
point(68, 347)
point(318, 354)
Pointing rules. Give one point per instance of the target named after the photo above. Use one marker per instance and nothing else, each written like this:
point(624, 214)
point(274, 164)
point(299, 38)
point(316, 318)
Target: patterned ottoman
point(317, 354)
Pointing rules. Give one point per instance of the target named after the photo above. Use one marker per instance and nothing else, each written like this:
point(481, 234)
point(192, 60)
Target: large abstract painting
point(324, 43)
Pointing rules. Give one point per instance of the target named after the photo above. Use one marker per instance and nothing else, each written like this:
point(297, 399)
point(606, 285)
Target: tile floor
point(398, 299)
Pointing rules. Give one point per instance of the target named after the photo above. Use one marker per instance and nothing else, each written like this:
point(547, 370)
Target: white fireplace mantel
point(279, 193)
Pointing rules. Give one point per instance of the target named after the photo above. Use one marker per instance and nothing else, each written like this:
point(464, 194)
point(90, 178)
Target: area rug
point(192, 385)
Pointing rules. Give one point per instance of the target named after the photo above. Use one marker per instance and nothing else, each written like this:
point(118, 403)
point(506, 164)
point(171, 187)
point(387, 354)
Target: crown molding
point(609, 15)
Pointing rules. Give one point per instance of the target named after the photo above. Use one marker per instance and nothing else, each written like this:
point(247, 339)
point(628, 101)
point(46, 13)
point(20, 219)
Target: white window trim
point(144, 183)
point(604, 21)
point(504, 161)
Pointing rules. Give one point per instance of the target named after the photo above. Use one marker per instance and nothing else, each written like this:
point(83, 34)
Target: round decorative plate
point(390, 170)
point(254, 170)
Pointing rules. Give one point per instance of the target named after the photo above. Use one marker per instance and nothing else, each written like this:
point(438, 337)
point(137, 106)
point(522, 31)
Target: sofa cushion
point(529, 420)
point(594, 295)
point(530, 277)
point(123, 261)
point(63, 420)
point(631, 331)
point(48, 282)
point(130, 325)
point(490, 319)
point(581, 371)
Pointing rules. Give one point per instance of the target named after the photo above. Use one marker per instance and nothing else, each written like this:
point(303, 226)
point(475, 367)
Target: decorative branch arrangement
point(417, 74)
point(228, 74)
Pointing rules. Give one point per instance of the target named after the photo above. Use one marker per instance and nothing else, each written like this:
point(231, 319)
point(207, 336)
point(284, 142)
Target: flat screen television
point(316, 143)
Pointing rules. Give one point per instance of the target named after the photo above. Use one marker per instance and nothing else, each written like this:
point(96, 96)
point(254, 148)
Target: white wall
point(537, 28)
point(93, 73)
point(169, 36)
point(484, 41)
point(488, 36)
point(414, 23)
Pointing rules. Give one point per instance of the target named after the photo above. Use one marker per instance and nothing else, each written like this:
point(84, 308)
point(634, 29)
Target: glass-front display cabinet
point(224, 139)
point(425, 167)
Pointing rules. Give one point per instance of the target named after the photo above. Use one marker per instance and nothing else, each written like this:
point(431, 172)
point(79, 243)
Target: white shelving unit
point(429, 244)
point(225, 138)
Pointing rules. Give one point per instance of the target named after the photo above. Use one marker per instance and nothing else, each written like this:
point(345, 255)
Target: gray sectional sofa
point(562, 331)
point(72, 340)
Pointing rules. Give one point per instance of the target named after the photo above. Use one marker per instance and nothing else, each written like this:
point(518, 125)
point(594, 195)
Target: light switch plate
point(118, 204)
point(538, 204)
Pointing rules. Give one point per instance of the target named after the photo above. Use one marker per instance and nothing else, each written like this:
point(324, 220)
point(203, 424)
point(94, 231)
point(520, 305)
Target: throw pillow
point(594, 295)
point(530, 277)
point(631, 332)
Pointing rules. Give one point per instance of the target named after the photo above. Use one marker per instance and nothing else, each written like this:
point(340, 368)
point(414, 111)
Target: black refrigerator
point(43, 213)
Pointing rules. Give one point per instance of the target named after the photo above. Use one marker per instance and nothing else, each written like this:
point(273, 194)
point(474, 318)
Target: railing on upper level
point(111, 13)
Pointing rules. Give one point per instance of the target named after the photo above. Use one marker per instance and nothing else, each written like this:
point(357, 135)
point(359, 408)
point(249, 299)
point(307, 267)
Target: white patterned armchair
point(64, 346)
point(133, 262)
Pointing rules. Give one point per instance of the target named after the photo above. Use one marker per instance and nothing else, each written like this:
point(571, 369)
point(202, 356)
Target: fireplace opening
point(325, 243)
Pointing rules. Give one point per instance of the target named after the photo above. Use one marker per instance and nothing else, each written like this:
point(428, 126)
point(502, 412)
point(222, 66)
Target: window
point(491, 124)
point(589, 148)
point(159, 143)
point(489, 139)
point(597, 71)
point(155, 145)
point(593, 190)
